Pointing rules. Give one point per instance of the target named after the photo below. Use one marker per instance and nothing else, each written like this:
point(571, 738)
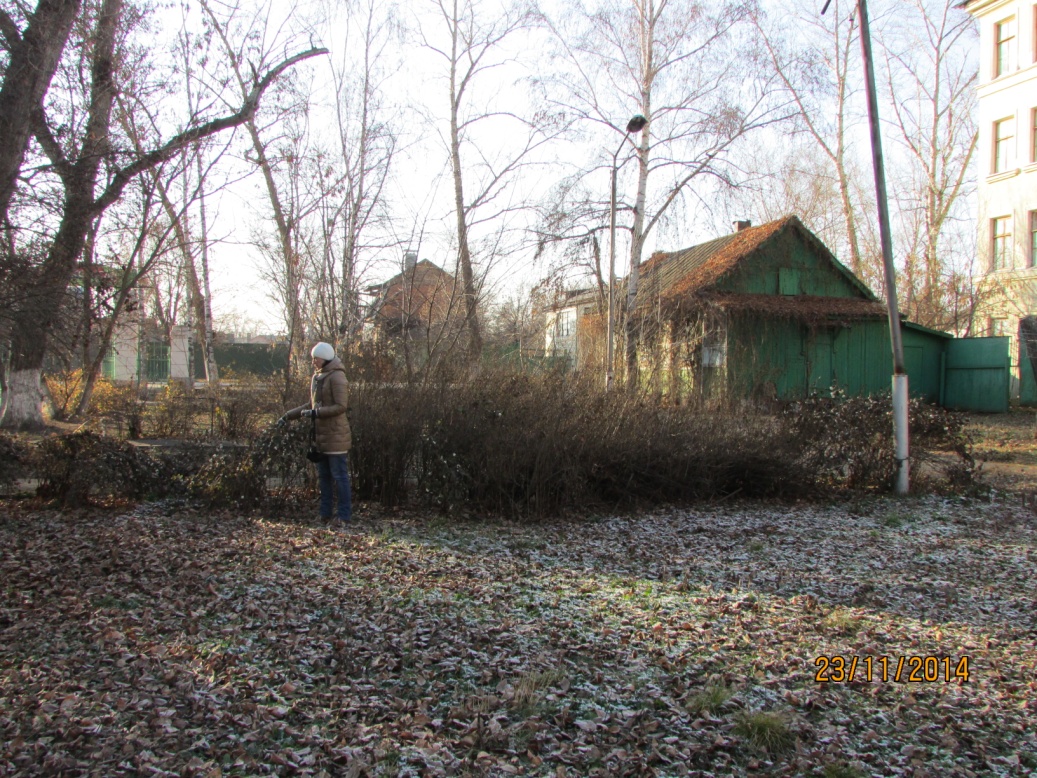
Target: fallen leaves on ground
point(163, 640)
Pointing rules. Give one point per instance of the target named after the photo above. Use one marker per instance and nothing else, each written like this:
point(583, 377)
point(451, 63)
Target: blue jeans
point(334, 469)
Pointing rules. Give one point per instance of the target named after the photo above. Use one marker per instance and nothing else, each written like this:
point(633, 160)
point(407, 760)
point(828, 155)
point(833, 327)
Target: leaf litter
point(166, 640)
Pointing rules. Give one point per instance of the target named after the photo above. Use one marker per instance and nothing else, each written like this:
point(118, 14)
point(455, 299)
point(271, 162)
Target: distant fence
point(254, 358)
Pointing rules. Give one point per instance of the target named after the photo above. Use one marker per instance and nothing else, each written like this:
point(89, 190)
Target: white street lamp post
point(637, 122)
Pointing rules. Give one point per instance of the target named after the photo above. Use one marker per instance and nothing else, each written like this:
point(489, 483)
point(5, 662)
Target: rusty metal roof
point(675, 278)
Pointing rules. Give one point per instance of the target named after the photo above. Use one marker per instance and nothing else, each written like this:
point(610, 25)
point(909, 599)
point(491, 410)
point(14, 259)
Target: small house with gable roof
point(769, 311)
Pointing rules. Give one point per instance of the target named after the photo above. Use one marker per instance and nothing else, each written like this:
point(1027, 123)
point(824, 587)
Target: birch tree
point(685, 66)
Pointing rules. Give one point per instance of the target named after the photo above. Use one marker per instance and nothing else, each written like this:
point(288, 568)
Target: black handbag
point(313, 453)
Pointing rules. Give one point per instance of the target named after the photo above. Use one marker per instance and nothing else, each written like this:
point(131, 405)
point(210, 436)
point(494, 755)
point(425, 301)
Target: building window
point(1002, 144)
point(156, 361)
point(1033, 238)
point(997, 327)
point(108, 366)
point(1004, 34)
point(1033, 132)
point(1001, 231)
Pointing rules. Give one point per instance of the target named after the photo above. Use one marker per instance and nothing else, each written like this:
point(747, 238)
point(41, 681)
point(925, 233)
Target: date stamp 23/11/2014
point(898, 669)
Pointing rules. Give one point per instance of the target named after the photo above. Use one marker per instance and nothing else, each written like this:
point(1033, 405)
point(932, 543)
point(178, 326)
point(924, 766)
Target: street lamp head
point(637, 122)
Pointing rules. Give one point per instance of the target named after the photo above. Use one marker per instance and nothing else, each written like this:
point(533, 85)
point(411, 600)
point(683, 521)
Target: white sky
point(421, 190)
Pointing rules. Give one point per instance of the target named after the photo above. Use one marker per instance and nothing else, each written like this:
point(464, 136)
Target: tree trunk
point(25, 396)
point(33, 60)
point(212, 375)
point(464, 253)
point(35, 318)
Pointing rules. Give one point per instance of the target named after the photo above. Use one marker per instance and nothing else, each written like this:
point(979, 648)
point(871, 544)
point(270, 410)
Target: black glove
point(282, 421)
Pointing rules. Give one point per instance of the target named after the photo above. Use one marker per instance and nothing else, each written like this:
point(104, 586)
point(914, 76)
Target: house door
point(976, 375)
point(819, 363)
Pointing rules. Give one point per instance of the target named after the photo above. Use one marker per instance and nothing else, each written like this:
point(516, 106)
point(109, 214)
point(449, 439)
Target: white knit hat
point(323, 351)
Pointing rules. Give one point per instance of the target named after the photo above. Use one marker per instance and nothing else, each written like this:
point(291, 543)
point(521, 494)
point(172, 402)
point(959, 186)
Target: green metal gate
point(976, 374)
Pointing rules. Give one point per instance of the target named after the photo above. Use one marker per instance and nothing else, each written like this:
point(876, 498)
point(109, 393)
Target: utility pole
point(900, 386)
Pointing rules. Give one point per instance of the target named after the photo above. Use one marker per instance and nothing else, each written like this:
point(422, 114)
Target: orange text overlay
point(898, 669)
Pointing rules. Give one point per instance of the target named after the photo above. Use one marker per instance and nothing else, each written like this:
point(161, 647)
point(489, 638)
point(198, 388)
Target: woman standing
point(329, 394)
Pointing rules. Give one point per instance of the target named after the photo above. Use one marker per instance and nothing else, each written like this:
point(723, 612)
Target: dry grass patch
point(765, 731)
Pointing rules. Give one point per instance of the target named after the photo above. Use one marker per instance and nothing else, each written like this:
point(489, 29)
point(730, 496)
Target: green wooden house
point(770, 312)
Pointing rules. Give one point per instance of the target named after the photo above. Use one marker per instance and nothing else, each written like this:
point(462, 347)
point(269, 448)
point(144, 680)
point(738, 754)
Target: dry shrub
point(65, 388)
point(540, 444)
point(15, 461)
point(73, 468)
point(272, 469)
point(848, 443)
point(245, 406)
point(387, 422)
point(173, 413)
point(118, 404)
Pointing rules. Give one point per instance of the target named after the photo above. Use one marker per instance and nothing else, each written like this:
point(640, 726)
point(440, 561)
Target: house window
point(1001, 231)
point(565, 324)
point(997, 327)
point(1004, 34)
point(714, 349)
point(788, 281)
point(1002, 145)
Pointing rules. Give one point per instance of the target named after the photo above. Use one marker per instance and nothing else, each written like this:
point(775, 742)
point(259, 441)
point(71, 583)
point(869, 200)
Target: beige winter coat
point(329, 395)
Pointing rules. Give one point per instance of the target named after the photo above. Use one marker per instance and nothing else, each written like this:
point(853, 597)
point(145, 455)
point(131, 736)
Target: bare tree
point(280, 156)
point(931, 75)
point(818, 69)
point(92, 173)
point(353, 209)
point(474, 40)
point(145, 238)
point(33, 55)
point(682, 65)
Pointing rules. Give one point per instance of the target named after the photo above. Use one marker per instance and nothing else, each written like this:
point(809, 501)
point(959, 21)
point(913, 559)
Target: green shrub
point(709, 700)
point(764, 731)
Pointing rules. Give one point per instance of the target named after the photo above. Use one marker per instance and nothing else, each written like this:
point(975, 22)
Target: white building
point(573, 327)
point(134, 356)
point(1007, 157)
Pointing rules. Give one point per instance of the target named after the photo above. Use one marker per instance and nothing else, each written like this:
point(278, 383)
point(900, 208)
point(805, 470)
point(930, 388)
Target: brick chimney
point(742, 224)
